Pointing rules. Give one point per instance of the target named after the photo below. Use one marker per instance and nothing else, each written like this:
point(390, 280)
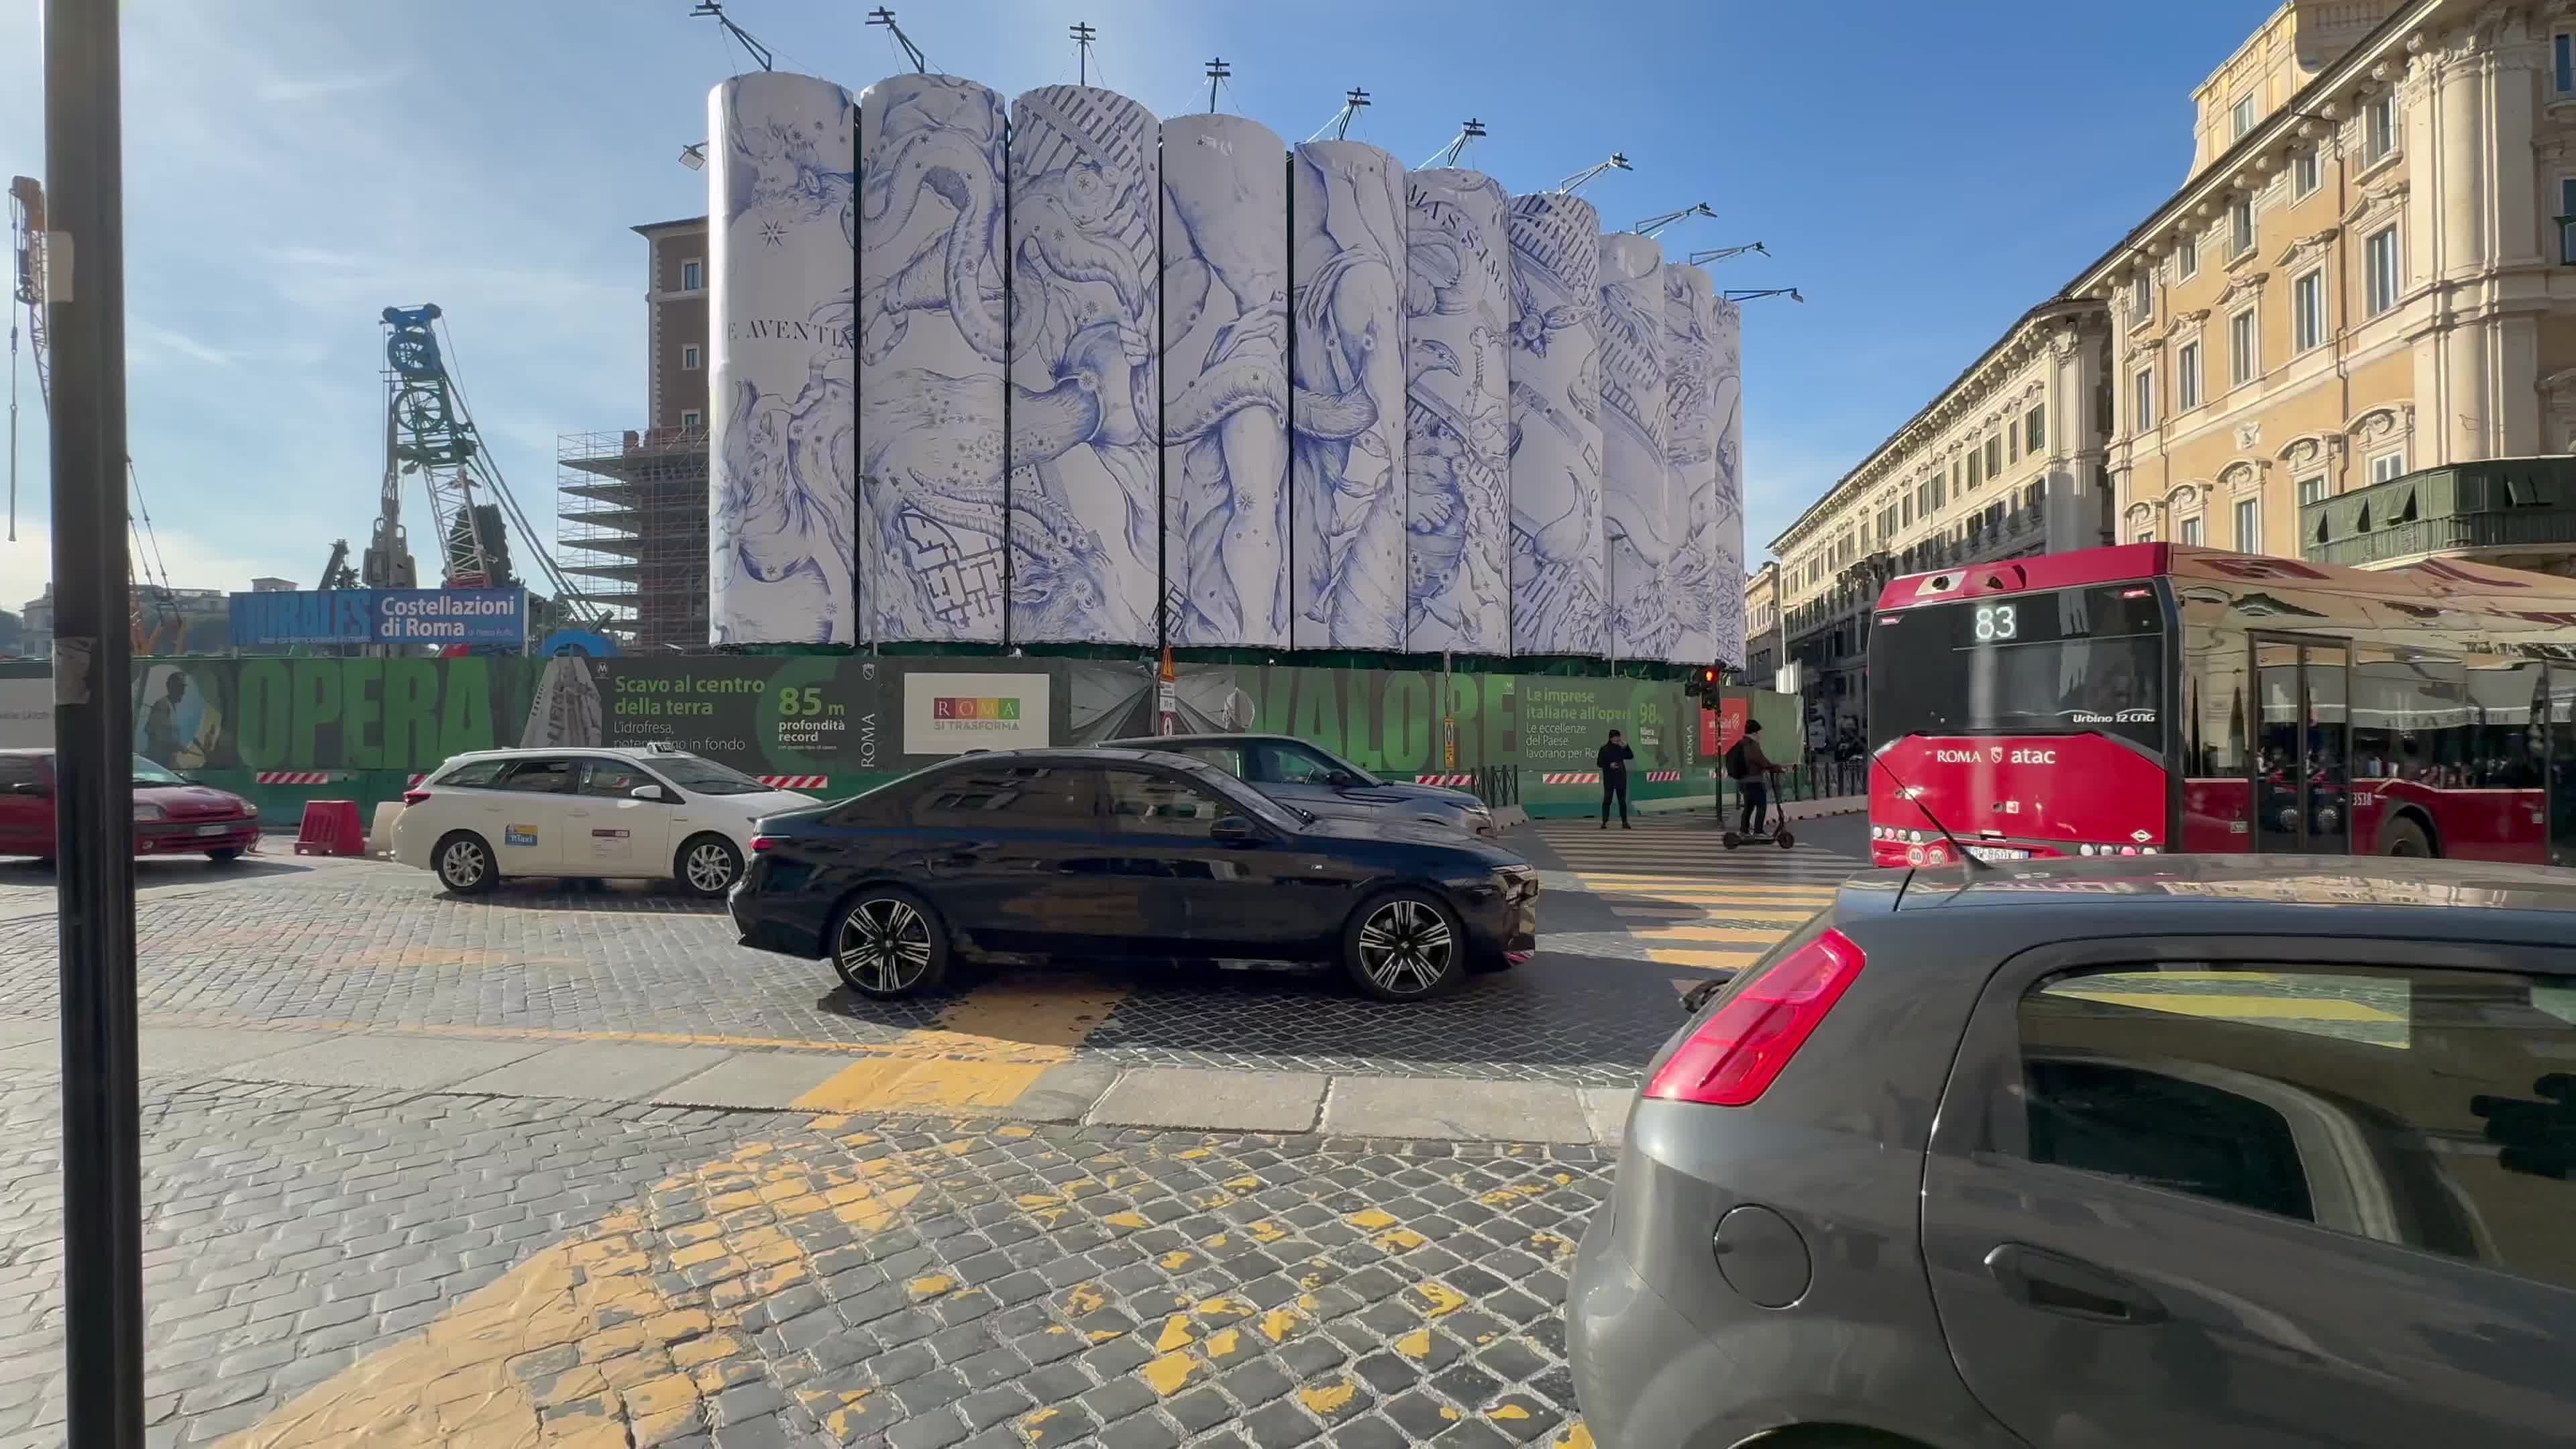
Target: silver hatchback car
point(2217, 1151)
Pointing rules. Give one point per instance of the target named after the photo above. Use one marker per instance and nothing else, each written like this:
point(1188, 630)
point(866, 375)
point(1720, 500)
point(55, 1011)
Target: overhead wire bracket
point(759, 52)
point(1448, 155)
point(1618, 162)
point(911, 52)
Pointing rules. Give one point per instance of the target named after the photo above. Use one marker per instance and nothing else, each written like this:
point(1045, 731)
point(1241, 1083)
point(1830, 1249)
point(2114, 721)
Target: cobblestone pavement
point(335, 1267)
point(365, 945)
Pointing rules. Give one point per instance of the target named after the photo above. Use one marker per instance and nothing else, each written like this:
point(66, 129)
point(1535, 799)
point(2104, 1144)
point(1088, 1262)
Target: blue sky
point(1923, 173)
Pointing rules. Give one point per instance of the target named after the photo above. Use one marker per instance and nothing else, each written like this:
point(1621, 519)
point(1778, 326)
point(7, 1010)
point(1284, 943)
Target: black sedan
point(1108, 854)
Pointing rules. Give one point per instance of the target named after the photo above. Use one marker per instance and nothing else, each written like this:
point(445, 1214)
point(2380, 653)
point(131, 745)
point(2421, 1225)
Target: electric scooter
point(1769, 828)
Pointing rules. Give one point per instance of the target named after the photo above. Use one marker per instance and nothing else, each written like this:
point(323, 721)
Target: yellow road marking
point(890, 1084)
point(1706, 960)
point(2251, 1007)
point(1728, 913)
point(1753, 934)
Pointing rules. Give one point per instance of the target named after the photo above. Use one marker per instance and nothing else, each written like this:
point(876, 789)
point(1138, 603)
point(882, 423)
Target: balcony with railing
point(2517, 512)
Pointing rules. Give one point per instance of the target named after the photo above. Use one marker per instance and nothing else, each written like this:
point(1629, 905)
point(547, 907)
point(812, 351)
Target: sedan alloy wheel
point(1407, 948)
point(886, 947)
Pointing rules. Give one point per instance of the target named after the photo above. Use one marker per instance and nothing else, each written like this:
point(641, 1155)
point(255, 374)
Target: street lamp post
point(93, 732)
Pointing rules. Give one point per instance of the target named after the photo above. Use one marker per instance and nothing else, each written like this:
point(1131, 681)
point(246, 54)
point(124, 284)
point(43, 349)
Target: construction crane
point(154, 619)
point(430, 434)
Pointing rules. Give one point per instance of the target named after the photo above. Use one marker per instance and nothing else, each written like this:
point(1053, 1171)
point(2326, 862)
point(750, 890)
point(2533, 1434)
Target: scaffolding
point(631, 526)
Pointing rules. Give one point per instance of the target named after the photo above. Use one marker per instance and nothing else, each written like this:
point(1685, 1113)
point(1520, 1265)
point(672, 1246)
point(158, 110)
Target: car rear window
point(474, 774)
point(2426, 1107)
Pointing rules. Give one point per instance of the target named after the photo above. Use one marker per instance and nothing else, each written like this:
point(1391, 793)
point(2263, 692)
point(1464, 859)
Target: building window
point(2380, 254)
point(2240, 226)
point(2034, 428)
point(1994, 455)
point(689, 358)
point(2142, 400)
point(2242, 119)
point(2385, 466)
point(692, 420)
point(2567, 218)
point(2249, 527)
point(2379, 128)
point(2307, 172)
point(693, 275)
point(2191, 531)
point(2187, 259)
point(2312, 490)
point(2562, 64)
point(2308, 310)
point(2142, 297)
point(2244, 359)
point(2187, 378)
point(1976, 466)
point(2146, 535)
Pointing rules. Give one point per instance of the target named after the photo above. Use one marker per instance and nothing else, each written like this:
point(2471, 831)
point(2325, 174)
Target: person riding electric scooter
point(1752, 772)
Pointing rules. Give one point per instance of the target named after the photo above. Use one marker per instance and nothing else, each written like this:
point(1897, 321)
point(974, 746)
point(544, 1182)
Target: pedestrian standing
point(1613, 760)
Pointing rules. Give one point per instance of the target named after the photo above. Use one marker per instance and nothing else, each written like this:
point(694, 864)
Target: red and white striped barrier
point(298, 777)
point(1662, 777)
point(414, 782)
point(1462, 778)
point(1571, 777)
point(796, 782)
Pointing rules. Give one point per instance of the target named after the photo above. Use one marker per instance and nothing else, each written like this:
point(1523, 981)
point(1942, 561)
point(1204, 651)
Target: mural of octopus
point(1457, 425)
point(1083, 212)
point(780, 532)
point(1690, 454)
point(1225, 422)
point(1555, 445)
point(1346, 499)
point(1637, 524)
point(931, 356)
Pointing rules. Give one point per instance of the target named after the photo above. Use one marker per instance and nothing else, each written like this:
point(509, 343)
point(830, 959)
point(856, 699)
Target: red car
point(173, 815)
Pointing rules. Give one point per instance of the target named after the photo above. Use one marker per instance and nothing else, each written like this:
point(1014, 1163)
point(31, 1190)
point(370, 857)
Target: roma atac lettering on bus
point(1995, 755)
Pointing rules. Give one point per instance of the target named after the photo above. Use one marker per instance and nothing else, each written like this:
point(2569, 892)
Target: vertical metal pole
point(94, 732)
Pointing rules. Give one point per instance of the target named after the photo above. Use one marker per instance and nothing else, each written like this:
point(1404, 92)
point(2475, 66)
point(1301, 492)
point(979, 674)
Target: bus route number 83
point(1995, 624)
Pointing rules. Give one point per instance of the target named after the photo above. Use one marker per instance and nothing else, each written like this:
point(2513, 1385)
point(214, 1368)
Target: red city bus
point(2156, 697)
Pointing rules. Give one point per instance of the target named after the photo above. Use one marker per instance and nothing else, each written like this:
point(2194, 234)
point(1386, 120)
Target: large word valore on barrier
point(1047, 369)
point(844, 716)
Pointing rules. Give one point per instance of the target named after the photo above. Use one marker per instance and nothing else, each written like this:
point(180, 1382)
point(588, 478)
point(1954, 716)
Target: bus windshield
point(2070, 661)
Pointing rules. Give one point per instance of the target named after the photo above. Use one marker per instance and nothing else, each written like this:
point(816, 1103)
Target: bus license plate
point(1997, 852)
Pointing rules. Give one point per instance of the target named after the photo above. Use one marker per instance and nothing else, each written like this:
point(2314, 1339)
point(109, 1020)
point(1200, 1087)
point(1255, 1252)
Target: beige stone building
point(1762, 624)
point(2350, 337)
point(2365, 277)
point(2005, 461)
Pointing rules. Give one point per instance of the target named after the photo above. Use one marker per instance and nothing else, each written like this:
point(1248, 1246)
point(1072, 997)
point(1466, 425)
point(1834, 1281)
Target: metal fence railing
point(1498, 785)
point(1808, 780)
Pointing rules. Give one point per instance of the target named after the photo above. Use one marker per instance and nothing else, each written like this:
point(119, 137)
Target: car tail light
point(760, 843)
point(414, 797)
point(1732, 1057)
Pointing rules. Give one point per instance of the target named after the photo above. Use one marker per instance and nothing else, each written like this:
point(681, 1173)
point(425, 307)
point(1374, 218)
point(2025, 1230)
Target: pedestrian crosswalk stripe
point(1704, 959)
point(1756, 935)
point(1786, 917)
point(1692, 890)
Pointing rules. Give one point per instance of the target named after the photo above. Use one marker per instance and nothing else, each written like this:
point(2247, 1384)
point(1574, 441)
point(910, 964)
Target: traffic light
point(1703, 686)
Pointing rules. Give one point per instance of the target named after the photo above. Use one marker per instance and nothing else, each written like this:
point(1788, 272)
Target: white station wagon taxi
point(589, 813)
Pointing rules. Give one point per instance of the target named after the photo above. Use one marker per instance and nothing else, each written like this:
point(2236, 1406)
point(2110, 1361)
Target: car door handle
point(2077, 1289)
point(963, 856)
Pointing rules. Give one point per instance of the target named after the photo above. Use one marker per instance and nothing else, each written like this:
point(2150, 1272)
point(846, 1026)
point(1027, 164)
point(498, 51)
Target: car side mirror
point(30, 787)
point(1697, 996)
point(1341, 779)
point(650, 792)
point(1233, 828)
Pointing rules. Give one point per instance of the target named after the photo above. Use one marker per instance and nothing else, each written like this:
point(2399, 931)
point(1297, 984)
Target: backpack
point(1735, 759)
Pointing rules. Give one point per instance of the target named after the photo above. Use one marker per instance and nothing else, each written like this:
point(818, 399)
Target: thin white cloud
point(148, 345)
point(283, 90)
point(27, 565)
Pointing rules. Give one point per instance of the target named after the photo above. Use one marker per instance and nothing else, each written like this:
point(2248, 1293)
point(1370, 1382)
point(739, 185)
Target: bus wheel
point(2404, 837)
